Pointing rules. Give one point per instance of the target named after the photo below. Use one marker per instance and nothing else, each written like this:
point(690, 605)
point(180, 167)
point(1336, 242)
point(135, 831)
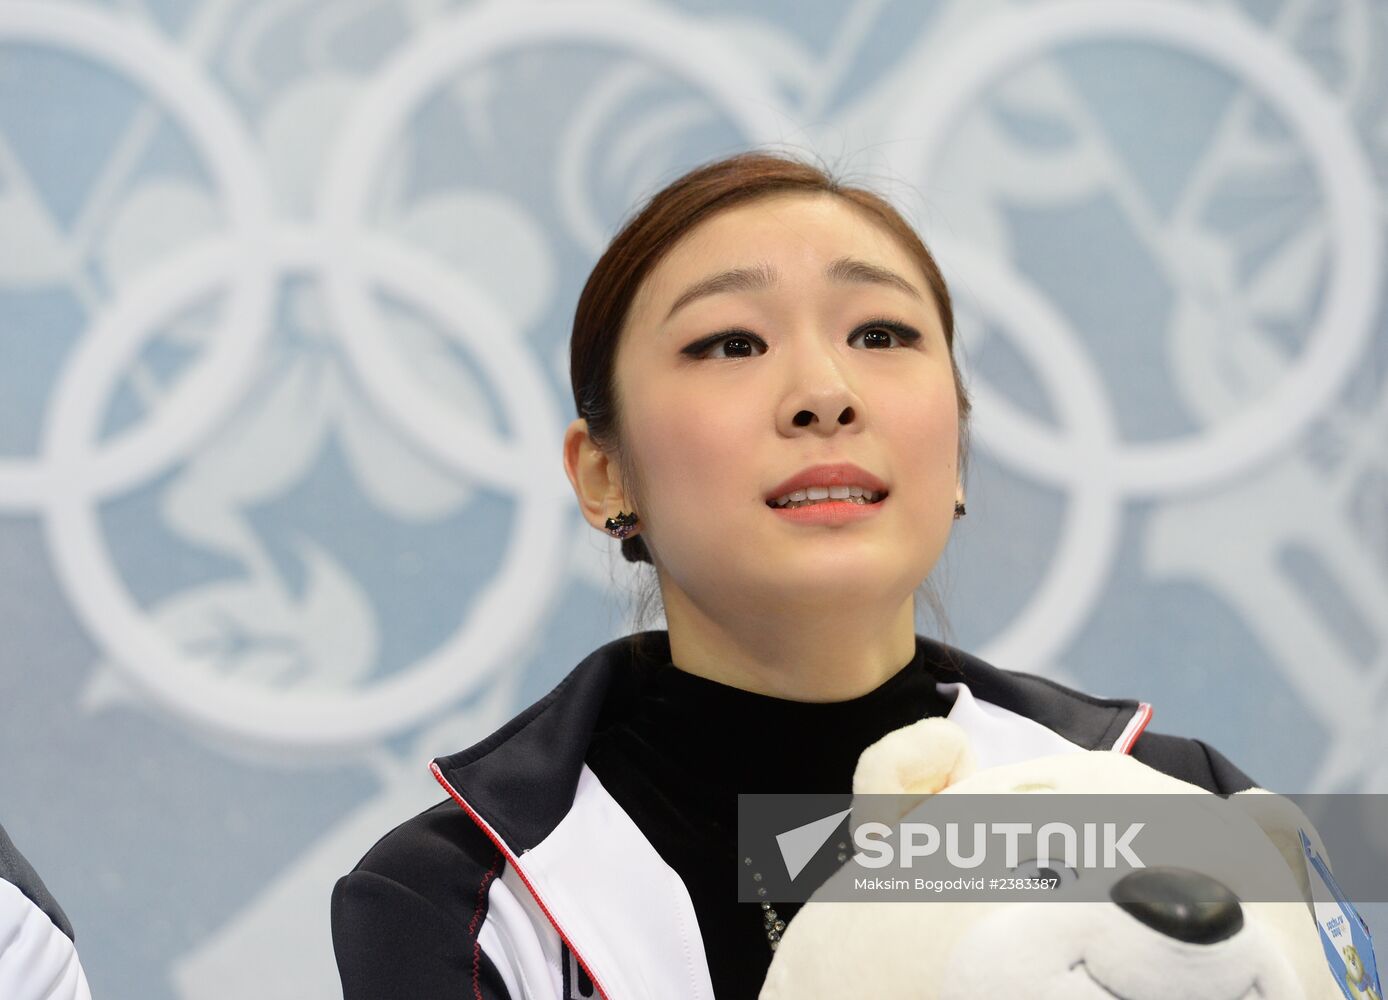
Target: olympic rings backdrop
point(285, 289)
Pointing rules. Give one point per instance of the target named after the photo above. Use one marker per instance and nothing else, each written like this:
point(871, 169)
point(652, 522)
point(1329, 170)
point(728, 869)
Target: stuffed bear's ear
point(922, 758)
point(913, 762)
point(1280, 819)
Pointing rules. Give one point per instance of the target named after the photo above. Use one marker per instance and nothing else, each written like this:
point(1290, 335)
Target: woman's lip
point(882, 495)
point(829, 512)
point(834, 474)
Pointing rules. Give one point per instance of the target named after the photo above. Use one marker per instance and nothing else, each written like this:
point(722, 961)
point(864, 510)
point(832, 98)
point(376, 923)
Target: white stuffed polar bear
point(1051, 949)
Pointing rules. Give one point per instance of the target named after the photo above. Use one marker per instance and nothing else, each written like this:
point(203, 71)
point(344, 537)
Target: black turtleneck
point(675, 749)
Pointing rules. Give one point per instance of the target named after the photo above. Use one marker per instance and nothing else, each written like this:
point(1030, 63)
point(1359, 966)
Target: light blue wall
point(284, 296)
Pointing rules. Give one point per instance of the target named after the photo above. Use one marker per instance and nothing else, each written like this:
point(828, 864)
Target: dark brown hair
point(650, 234)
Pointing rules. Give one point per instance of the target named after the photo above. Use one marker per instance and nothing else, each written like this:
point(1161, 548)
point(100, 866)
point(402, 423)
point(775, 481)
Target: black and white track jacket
point(37, 957)
point(530, 881)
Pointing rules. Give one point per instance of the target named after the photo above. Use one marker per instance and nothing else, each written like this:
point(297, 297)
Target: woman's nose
point(821, 400)
point(829, 408)
point(810, 417)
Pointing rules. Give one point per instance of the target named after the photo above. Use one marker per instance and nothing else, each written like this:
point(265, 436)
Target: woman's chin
point(834, 587)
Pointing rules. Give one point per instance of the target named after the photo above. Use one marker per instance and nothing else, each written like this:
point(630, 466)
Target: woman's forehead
point(785, 232)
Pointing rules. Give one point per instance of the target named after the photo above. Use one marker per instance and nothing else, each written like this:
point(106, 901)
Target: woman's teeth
point(821, 494)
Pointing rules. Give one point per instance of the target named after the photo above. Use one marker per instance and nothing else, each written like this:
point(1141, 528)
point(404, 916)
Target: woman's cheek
point(687, 453)
point(683, 451)
point(928, 453)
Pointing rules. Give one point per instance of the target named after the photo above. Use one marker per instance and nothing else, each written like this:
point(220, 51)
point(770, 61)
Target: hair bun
point(634, 548)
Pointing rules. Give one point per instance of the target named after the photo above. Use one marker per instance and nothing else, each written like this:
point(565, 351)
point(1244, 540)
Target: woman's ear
point(594, 476)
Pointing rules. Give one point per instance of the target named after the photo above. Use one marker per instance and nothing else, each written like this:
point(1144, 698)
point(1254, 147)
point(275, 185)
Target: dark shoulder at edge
point(436, 853)
point(15, 869)
point(1191, 760)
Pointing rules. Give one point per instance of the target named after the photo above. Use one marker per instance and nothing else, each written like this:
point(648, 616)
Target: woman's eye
point(880, 335)
point(876, 335)
point(727, 345)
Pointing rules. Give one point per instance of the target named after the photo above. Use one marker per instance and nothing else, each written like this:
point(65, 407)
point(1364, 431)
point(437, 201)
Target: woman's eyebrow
point(848, 270)
point(738, 279)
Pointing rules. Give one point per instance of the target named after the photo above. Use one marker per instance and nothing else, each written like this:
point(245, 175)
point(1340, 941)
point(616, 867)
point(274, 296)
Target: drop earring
point(958, 509)
point(622, 525)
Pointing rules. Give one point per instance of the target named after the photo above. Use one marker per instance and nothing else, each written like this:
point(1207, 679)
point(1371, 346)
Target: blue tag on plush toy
point(1344, 934)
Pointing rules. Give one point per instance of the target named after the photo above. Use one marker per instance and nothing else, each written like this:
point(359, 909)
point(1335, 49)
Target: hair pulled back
point(657, 226)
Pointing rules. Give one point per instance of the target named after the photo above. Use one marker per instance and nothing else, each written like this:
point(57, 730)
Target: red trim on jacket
point(511, 860)
point(1135, 728)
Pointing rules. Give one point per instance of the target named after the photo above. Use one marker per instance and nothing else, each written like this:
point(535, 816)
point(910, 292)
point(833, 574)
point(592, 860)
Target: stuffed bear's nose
point(1180, 903)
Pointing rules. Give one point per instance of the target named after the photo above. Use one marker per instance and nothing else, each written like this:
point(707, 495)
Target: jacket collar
point(523, 778)
point(596, 877)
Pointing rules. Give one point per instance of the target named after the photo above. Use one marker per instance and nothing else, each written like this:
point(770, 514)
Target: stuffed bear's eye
point(1036, 868)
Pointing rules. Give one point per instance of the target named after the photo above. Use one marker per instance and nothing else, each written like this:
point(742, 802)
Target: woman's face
point(819, 342)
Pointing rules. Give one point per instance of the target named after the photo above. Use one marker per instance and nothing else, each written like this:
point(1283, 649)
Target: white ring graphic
point(217, 378)
point(508, 611)
point(685, 47)
point(951, 82)
point(578, 138)
point(1060, 604)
